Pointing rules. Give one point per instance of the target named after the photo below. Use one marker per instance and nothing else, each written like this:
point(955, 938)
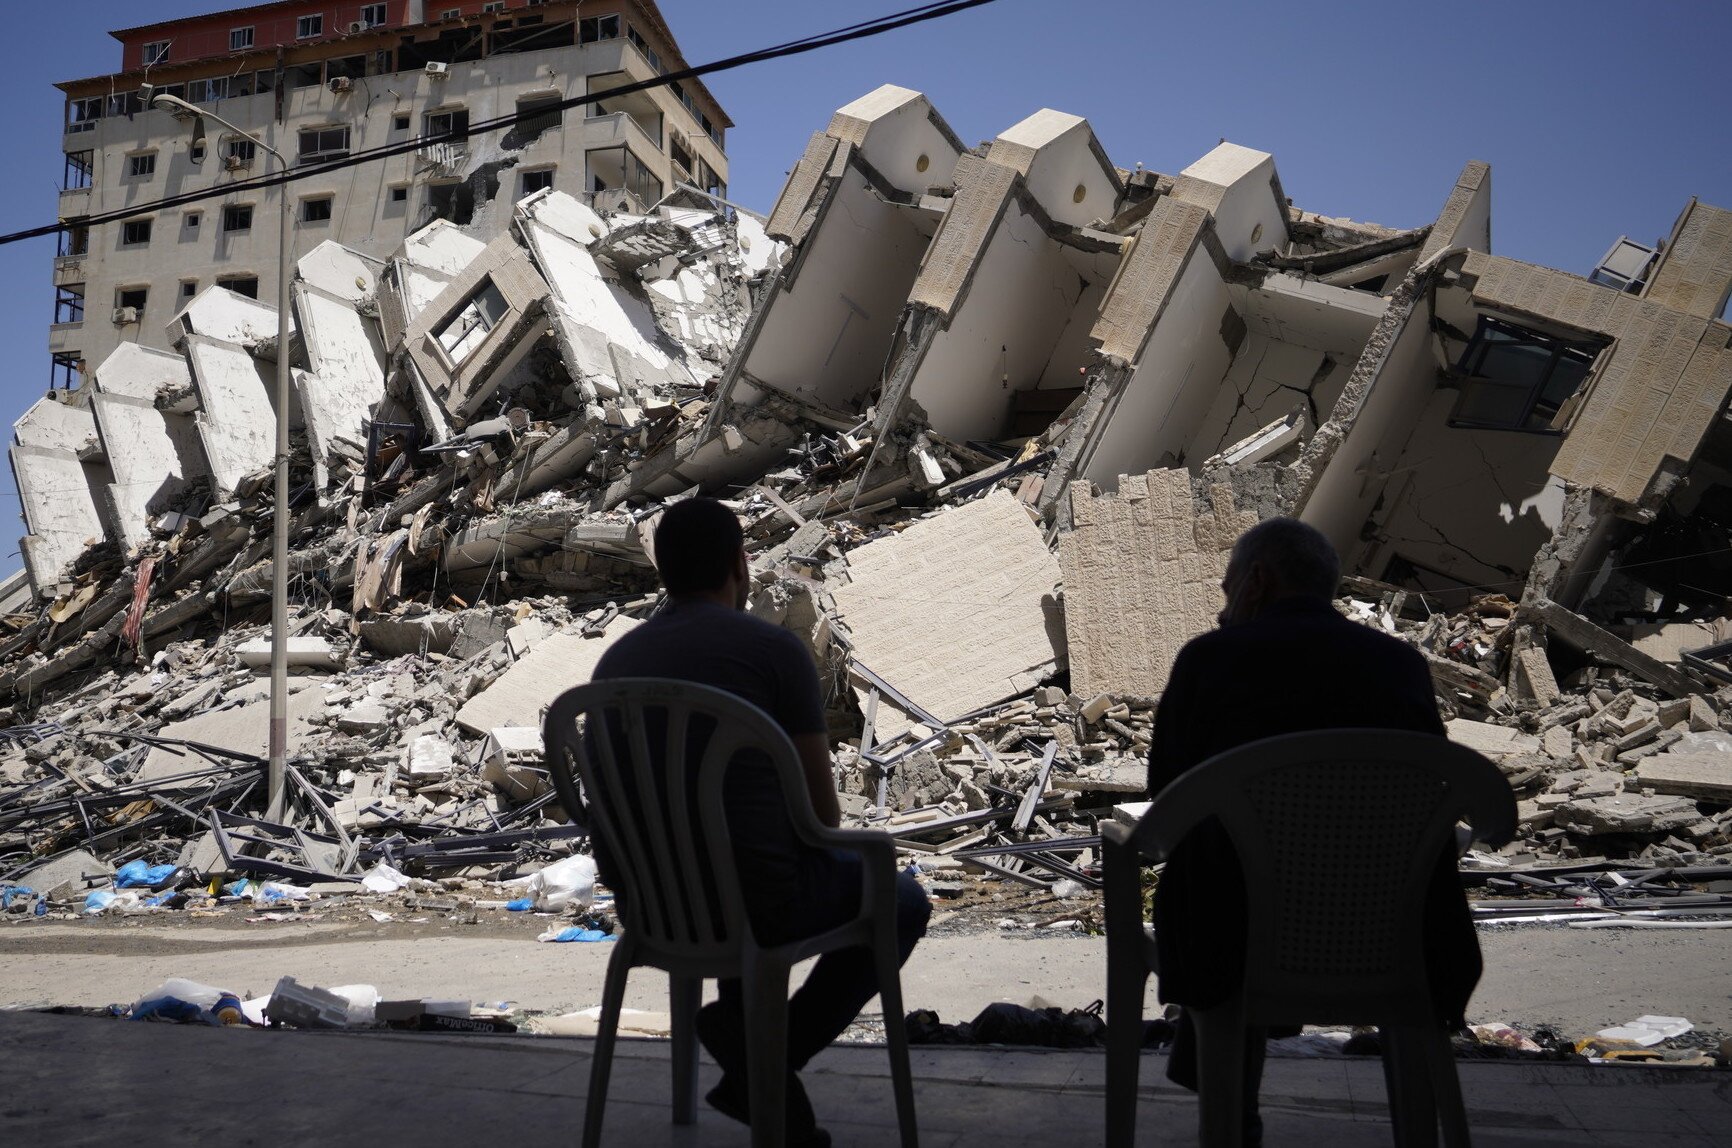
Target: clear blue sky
point(1598, 118)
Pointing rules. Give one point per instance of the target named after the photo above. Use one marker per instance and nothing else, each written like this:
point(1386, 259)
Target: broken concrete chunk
point(1705, 775)
point(1494, 741)
point(513, 762)
point(67, 876)
point(1625, 813)
point(302, 651)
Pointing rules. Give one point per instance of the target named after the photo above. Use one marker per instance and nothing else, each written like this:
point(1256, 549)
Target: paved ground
point(1577, 980)
point(74, 1081)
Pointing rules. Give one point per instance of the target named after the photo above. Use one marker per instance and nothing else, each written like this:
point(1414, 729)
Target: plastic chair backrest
point(659, 813)
point(1338, 833)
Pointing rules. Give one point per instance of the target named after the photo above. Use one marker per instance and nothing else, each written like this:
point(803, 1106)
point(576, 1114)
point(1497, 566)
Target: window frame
point(231, 212)
point(136, 232)
point(374, 15)
point(1542, 401)
point(241, 39)
point(537, 173)
point(229, 282)
point(141, 165)
point(473, 321)
point(160, 54)
point(326, 199)
point(142, 294)
point(322, 154)
point(310, 26)
point(598, 25)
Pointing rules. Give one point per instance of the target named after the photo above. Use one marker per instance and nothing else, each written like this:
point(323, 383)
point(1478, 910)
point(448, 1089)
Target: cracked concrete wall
point(55, 425)
point(218, 313)
point(1142, 573)
point(236, 421)
point(54, 490)
point(1469, 508)
point(1695, 270)
point(152, 456)
point(958, 611)
point(1653, 395)
point(1465, 220)
point(1155, 419)
point(824, 337)
point(141, 372)
point(1002, 338)
point(347, 379)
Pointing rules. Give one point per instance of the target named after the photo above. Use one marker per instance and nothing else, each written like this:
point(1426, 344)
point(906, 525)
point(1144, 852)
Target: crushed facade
point(992, 418)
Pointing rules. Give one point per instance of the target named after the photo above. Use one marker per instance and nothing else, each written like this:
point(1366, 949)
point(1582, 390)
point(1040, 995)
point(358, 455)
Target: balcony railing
point(622, 128)
point(445, 157)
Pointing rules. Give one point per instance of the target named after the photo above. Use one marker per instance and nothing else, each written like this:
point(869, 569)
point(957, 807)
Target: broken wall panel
point(1694, 274)
point(1142, 576)
point(347, 376)
point(1148, 278)
point(958, 611)
point(59, 509)
point(236, 421)
point(555, 664)
point(142, 372)
point(151, 455)
point(1465, 220)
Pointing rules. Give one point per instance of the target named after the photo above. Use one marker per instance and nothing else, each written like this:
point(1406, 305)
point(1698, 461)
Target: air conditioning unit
point(233, 163)
point(356, 26)
point(437, 70)
point(340, 84)
point(124, 315)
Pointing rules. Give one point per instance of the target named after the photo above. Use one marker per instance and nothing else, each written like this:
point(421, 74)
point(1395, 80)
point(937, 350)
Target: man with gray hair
point(1284, 660)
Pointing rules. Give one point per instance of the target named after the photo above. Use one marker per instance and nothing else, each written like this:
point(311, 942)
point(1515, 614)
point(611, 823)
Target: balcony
point(622, 129)
point(616, 55)
point(69, 269)
point(74, 202)
point(444, 158)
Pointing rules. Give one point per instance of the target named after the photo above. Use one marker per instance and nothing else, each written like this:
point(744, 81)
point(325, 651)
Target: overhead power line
point(859, 31)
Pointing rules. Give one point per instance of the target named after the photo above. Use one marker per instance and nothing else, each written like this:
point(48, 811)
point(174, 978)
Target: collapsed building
point(992, 417)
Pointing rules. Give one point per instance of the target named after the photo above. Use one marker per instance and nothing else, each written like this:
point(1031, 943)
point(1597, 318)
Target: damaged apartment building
point(992, 417)
point(322, 82)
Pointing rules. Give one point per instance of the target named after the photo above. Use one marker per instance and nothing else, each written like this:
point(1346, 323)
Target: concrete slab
point(557, 663)
point(958, 611)
point(243, 729)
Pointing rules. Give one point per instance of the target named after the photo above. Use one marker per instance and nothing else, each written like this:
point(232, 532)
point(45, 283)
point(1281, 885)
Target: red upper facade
point(266, 26)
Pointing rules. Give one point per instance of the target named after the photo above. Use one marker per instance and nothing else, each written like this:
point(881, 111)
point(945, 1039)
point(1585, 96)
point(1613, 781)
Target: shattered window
point(78, 169)
point(320, 144)
point(594, 28)
point(69, 303)
point(1517, 379)
point(81, 115)
point(469, 327)
point(247, 285)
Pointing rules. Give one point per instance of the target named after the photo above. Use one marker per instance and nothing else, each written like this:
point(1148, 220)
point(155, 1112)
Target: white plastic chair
point(682, 909)
point(1337, 832)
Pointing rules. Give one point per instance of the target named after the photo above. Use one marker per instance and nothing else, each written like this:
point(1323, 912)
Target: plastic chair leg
point(1221, 1073)
point(1446, 1089)
point(1407, 1076)
point(1127, 980)
point(895, 1033)
point(612, 998)
point(684, 994)
point(766, 1002)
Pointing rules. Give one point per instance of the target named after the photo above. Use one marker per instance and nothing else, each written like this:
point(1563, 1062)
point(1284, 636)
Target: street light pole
point(279, 728)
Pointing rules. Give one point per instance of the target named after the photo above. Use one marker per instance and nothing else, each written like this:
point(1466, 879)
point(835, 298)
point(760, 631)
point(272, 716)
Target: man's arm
point(814, 750)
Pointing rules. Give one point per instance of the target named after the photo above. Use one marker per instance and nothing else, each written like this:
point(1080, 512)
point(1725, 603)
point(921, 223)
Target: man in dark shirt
point(1284, 660)
point(792, 890)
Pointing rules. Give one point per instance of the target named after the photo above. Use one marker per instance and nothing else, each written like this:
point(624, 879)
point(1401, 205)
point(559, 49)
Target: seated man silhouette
point(791, 889)
point(1284, 660)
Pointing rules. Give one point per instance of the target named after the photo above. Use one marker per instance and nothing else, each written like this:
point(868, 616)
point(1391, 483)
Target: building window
point(466, 330)
point(538, 114)
point(238, 217)
point(309, 26)
point(79, 165)
point(240, 39)
point(452, 201)
point(81, 115)
point(532, 181)
point(188, 288)
point(446, 122)
point(316, 209)
point(196, 151)
point(400, 122)
point(75, 240)
point(372, 15)
point(239, 153)
point(66, 370)
point(642, 45)
point(192, 219)
point(69, 303)
point(208, 91)
point(400, 193)
point(493, 6)
point(156, 53)
point(135, 233)
point(1516, 379)
point(141, 166)
point(595, 28)
point(320, 144)
point(247, 285)
point(451, 14)
point(131, 297)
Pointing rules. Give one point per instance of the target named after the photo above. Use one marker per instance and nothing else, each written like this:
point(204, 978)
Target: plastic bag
point(138, 875)
point(570, 881)
point(180, 1001)
point(575, 933)
point(382, 878)
point(106, 901)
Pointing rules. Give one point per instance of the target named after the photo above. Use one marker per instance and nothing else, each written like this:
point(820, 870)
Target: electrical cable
point(860, 31)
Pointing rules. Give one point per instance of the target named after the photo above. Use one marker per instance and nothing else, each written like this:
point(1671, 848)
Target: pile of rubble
point(992, 581)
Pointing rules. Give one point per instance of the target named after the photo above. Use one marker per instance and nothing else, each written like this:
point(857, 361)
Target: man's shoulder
point(1327, 628)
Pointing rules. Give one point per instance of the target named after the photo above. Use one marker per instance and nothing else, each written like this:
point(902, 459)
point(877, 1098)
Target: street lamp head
point(181, 110)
